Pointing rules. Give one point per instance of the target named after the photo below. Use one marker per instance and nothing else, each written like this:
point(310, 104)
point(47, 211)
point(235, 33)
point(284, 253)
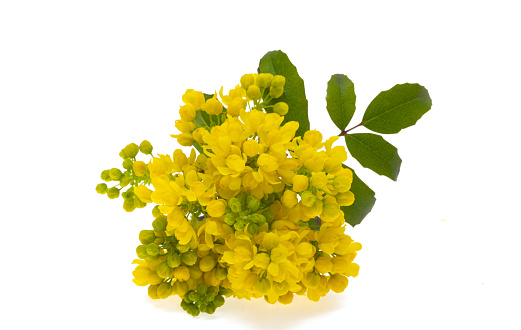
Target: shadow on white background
point(257, 313)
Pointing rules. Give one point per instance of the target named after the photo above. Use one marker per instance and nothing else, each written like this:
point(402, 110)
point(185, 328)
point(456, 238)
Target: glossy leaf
point(340, 100)
point(363, 204)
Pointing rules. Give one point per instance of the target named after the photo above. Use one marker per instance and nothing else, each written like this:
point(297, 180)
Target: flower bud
point(164, 271)
point(251, 148)
point(128, 205)
point(105, 176)
point(247, 80)
point(145, 147)
point(216, 208)
point(147, 236)
point(182, 273)
point(229, 219)
point(185, 139)
point(207, 264)
point(218, 301)
point(235, 107)
point(221, 273)
point(202, 288)
point(187, 112)
point(164, 290)
point(263, 285)
point(173, 260)
point(213, 106)
point(141, 251)
point(289, 199)
point(127, 164)
point(253, 204)
point(155, 212)
point(194, 296)
point(189, 258)
point(113, 192)
point(140, 168)
point(101, 188)
point(123, 154)
point(278, 81)
point(131, 150)
point(182, 248)
point(234, 204)
point(115, 174)
point(281, 108)
point(253, 92)
point(300, 183)
point(263, 80)
point(276, 92)
point(342, 184)
point(153, 249)
point(312, 280)
point(152, 291)
point(139, 204)
point(268, 214)
point(125, 179)
point(253, 229)
point(338, 283)
point(307, 198)
point(159, 224)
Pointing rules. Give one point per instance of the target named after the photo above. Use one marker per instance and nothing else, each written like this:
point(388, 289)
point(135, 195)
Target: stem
point(344, 132)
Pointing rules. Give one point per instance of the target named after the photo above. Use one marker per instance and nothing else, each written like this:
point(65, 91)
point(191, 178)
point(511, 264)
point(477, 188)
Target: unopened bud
point(235, 205)
point(164, 271)
point(253, 204)
point(253, 229)
point(128, 205)
point(105, 176)
point(145, 147)
point(127, 164)
point(115, 173)
point(113, 192)
point(164, 290)
point(278, 81)
point(155, 212)
point(153, 249)
point(189, 258)
point(131, 150)
point(173, 260)
point(101, 188)
point(141, 251)
point(147, 236)
point(281, 108)
point(159, 224)
point(276, 92)
point(253, 92)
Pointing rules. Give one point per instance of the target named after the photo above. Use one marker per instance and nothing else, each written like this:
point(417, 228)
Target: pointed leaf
point(373, 152)
point(363, 204)
point(340, 100)
point(397, 108)
point(277, 63)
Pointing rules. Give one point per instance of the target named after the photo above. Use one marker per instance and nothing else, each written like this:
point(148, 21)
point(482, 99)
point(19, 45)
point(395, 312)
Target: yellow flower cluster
point(255, 214)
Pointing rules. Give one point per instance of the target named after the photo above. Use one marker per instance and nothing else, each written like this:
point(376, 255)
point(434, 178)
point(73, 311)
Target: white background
point(81, 79)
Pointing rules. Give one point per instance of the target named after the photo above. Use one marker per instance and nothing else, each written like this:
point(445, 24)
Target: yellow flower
point(300, 183)
point(216, 208)
point(140, 168)
point(213, 106)
point(193, 98)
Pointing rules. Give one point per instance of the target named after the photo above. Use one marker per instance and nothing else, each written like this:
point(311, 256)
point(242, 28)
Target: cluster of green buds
point(134, 173)
point(204, 299)
point(247, 213)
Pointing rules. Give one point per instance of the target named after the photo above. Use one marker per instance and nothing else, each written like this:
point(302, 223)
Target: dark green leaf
point(397, 108)
point(363, 204)
point(340, 100)
point(277, 63)
point(373, 152)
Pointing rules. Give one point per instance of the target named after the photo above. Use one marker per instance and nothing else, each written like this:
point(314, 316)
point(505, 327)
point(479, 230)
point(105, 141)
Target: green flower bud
point(113, 192)
point(139, 204)
point(253, 204)
point(124, 181)
point(221, 273)
point(115, 174)
point(173, 260)
point(127, 164)
point(313, 280)
point(189, 258)
point(141, 251)
point(239, 225)
point(147, 236)
point(131, 150)
point(101, 188)
point(253, 229)
point(164, 271)
point(182, 248)
point(128, 205)
point(225, 292)
point(159, 224)
point(194, 296)
point(155, 212)
point(210, 309)
point(235, 205)
point(218, 301)
point(193, 310)
point(105, 176)
point(145, 147)
point(202, 307)
point(152, 291)
point(261, 220)
point(212, 292)
point(153, 249)
point(123, 154)
point(164, 290)
point(202, 288)
point(229, 219)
